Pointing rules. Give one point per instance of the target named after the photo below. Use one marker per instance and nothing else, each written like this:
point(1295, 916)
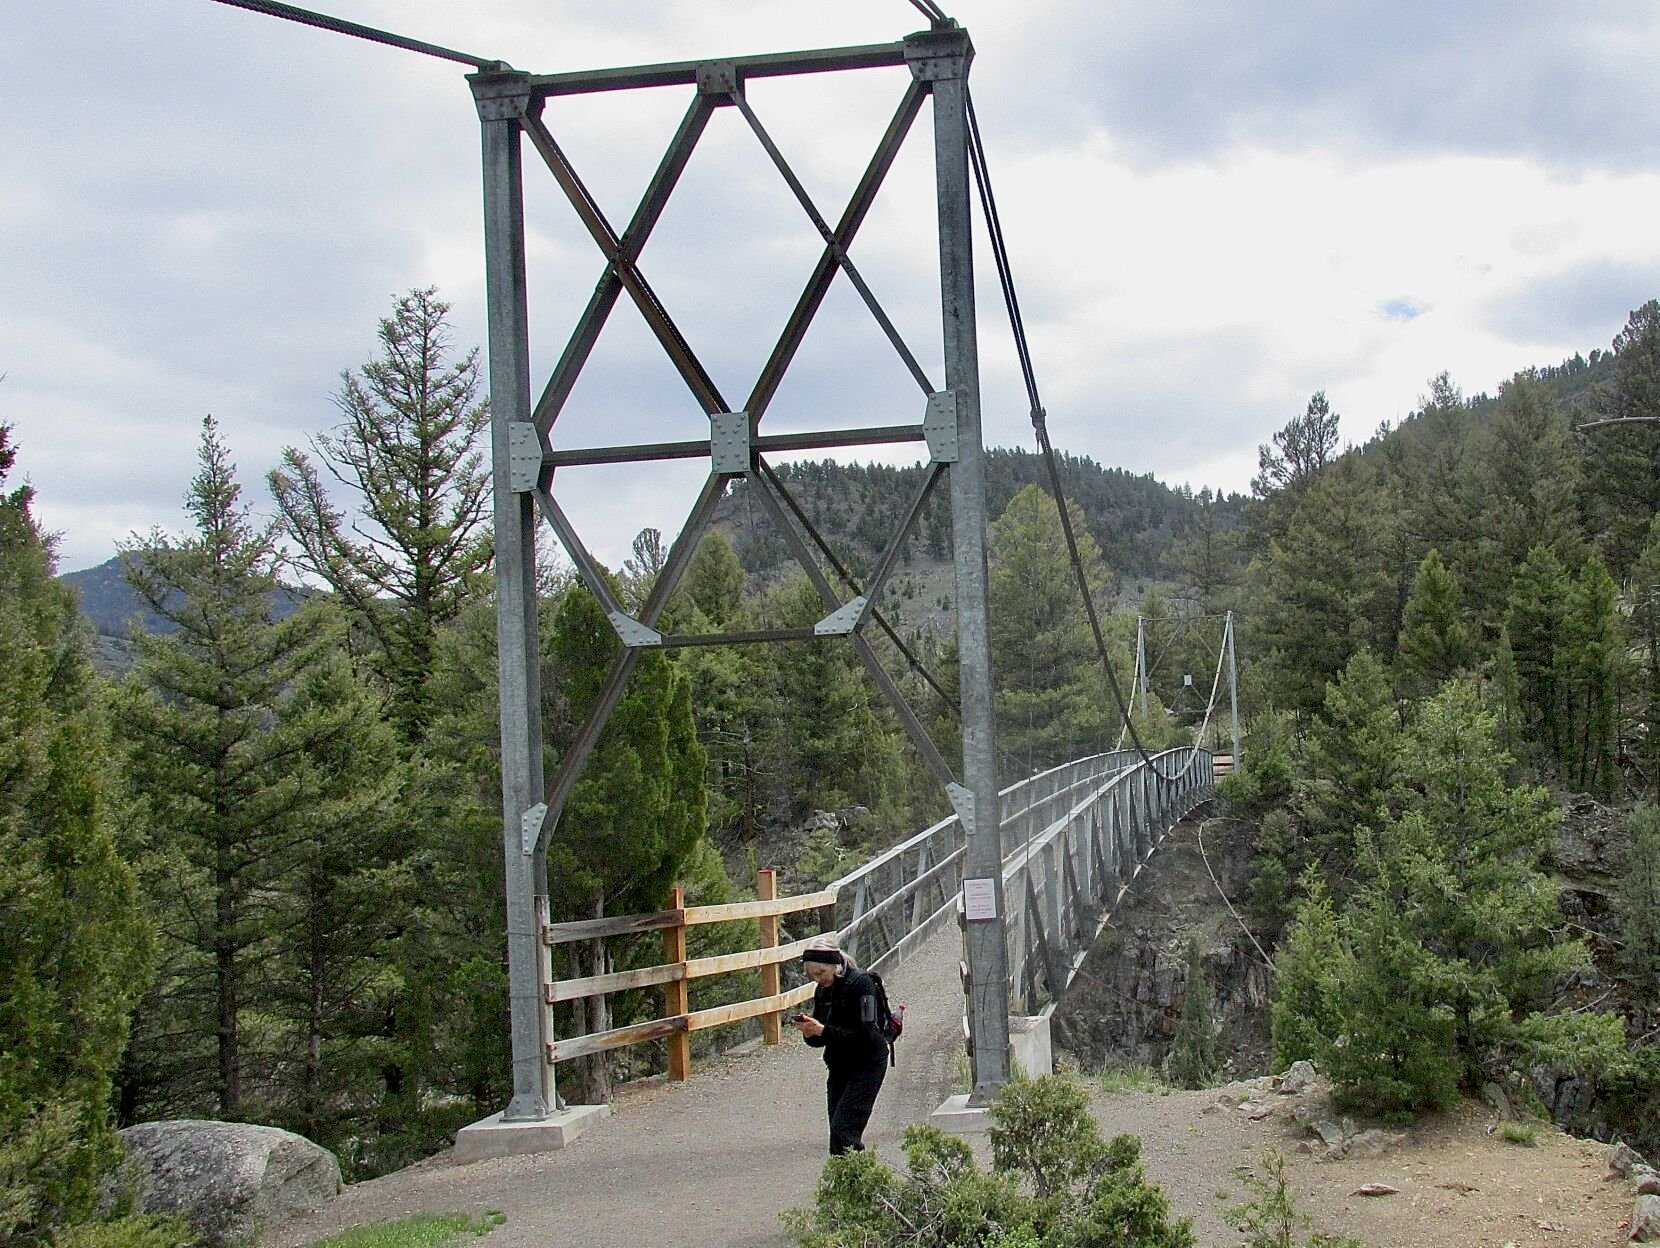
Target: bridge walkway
point(711, 1161)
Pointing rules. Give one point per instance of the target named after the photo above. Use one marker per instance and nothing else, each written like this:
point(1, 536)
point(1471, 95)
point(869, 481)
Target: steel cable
point(1005, 278)
point(339, 26)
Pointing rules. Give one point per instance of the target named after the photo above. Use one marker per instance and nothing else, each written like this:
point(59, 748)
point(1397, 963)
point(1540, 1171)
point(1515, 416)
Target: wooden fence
point(676, 972)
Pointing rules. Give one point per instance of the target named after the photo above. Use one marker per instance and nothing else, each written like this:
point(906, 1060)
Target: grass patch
point(1132, 1079)
point(419, 1230)
point(1523, 1133)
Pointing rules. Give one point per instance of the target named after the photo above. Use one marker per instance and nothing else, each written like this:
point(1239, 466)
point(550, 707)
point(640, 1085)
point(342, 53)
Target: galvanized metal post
point(516, 639)
point(1233, 692)
point(942, 57)
point(1141, 662)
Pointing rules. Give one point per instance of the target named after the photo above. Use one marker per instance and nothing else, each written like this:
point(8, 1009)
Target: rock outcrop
point(227, 1178)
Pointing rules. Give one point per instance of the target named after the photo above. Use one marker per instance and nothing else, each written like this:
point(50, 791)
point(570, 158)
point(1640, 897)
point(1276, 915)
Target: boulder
point(1623, 1159)
point(1645, 1220)
point(227, 1178)
point(1297, 1080)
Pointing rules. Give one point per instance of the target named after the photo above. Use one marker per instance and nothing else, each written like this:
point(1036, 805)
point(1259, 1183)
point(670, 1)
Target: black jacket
point(852, 1034)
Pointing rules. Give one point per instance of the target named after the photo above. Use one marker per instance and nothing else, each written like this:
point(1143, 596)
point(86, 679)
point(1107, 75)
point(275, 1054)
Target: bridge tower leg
point(1233, 691)
point(945, 59)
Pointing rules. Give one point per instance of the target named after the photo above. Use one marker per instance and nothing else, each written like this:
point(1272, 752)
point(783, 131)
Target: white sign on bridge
point(980, 899)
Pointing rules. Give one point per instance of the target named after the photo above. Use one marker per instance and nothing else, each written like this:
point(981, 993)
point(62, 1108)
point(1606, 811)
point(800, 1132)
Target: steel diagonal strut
point(633, 241)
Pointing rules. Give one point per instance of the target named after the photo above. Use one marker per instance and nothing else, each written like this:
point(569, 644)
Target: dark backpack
point(890, 1022)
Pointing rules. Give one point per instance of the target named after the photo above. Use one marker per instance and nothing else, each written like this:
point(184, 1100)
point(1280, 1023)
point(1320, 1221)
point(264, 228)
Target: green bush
point(1054, 1183)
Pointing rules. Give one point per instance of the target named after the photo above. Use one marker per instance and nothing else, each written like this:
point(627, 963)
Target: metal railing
point(1082, 850)
point(1072, 838)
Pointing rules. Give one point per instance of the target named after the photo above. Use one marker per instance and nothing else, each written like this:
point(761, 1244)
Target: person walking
point(845, 1023)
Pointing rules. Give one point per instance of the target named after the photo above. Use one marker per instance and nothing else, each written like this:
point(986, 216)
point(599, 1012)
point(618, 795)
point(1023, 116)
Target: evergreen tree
point(1463, 865)
point(1434, 642)
point(1622, 461)
point(74, 948)
point(638, 812)
point(1049, 683)
point(1320, 592)
point(215, 761)
point(1644, 599)
point(410, 451)
point(1531, 476)
point(1639, 907)
point(1349, 761)
point(1193, 1060)
point(1444, 496)
point(340, 907)
point(1309, 965)
point(1535, 622)
point(1285, 471)
point(1592, 647)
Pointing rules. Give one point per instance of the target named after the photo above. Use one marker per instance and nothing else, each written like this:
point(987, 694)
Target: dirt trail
point(713, 1161)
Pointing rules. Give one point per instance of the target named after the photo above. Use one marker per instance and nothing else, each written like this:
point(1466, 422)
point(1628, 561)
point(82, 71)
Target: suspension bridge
point(1007, 894)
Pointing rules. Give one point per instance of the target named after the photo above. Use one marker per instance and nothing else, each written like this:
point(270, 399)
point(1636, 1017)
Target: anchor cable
point(339, 26)
point(1011, 300)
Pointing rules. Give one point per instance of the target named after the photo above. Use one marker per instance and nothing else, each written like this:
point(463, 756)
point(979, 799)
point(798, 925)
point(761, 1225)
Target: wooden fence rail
point(676, 970)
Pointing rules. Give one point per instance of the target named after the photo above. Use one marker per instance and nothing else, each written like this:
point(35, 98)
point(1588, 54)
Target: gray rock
point(1623, 1159)
point(1297, 1080)
point(1645, 1220)
point(1648, 1182)
point(227, 1178)
point(1374, 1143)
point(1495, 1096)
point(1329, 1132)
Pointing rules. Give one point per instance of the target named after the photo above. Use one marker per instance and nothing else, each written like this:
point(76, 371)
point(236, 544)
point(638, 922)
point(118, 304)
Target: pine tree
point(216, 767)
point(1434, 642)
point(1050, 690)
point(410, 451)
point(1349, 761)
point(1592, 646)
point(638, 813)
point(1535, 622)
point(74, 948)
point(1322, 594)
point(1622, 461)
point(340, 907)
point(1285, 471)
point(1639, 907)
point(1464, 865)
point(1644, 599)
point(1193, 1060)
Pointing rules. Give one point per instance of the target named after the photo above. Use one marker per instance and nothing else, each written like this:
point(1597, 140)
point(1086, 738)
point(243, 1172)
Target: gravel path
point(712, 1161)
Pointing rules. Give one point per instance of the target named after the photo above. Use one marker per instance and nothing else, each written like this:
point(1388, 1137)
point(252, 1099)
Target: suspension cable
point(1011, 300)
point(339, 26)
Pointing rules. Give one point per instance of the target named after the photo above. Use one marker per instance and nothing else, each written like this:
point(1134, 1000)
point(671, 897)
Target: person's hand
point(807, 1025)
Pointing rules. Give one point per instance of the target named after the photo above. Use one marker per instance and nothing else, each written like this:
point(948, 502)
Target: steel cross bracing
point(525, 463)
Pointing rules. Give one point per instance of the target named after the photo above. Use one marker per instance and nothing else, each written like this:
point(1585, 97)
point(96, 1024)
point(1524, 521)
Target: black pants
point(850, 1096)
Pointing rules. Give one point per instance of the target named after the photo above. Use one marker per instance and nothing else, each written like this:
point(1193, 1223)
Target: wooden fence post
point(676, 999)
point(766, 889)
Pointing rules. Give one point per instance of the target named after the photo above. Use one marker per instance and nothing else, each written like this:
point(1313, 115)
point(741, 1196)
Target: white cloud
point(1213, 211)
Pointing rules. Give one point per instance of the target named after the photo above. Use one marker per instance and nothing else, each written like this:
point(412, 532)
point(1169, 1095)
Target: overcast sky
point(1214, 209)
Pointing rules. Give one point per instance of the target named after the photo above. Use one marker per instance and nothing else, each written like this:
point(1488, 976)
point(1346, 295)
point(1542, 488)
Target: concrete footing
point(957, 1117)
point(491, 1137)
point(1031, 1053)
point(1031, 1050)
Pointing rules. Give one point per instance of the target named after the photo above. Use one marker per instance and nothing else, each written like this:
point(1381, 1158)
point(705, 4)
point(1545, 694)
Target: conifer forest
point(250, 829)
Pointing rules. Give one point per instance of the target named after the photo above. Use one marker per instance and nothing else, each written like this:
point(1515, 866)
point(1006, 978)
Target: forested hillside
point(1451, 766)
point(290, 818)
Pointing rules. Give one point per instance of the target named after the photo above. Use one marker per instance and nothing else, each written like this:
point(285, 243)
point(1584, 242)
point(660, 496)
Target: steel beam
point(501, 115)
point(876, 435)
point(942, 58)
point(685, 73)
